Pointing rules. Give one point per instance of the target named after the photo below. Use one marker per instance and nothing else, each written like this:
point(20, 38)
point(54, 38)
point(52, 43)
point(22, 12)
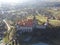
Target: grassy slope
point(41, 19)
point(54, 22)
point(44, 19)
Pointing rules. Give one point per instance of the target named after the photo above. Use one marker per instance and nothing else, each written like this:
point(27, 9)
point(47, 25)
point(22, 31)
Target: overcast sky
point(22, 1)
point(50, 0)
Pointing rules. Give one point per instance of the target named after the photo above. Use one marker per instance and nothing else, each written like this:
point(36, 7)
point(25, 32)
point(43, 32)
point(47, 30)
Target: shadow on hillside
point(50, 35)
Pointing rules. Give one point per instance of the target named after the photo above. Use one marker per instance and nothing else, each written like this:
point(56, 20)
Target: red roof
point(28, 22)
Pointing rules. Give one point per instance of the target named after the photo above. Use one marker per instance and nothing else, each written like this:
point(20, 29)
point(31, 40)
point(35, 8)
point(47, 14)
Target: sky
point(13, 1)
point(51, 0)
point(22, 1)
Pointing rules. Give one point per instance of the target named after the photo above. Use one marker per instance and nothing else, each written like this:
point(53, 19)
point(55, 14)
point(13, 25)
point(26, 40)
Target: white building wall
point(25, 29)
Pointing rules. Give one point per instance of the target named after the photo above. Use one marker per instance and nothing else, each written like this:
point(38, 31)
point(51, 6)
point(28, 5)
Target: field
point(42, 19)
